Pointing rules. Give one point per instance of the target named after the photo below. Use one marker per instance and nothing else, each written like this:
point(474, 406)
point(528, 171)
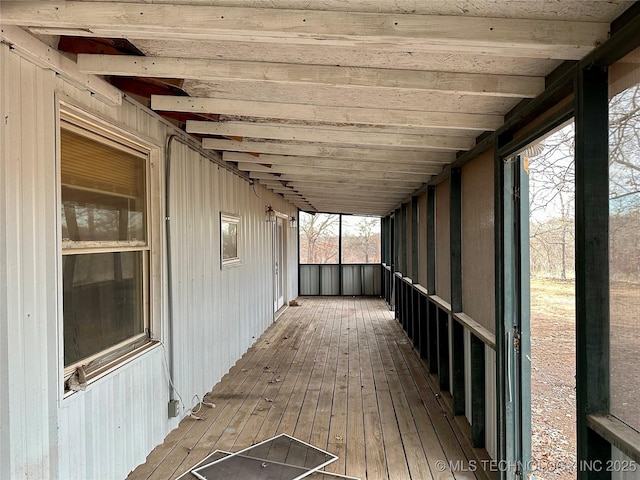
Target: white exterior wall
point(107, 430)
point(218, 313)
point(28, 272)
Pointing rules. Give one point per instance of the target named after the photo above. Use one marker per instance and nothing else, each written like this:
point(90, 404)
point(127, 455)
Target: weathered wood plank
point(552, 39)
point(366, 56)
point(350, 382)
point(41, 54)
point(342, 177)
point(290, 75)
point(329, 136)
point(337, 153)
point(324, 113)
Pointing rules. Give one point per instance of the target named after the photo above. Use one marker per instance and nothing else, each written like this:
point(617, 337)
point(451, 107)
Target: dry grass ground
point(553, 369)
point(553, 395)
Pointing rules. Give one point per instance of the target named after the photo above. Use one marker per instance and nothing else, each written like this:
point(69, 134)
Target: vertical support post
point(298, 250)
point(431, 239)
point(414, 240)
point(405, 242)
point(383, 240)
point(415, 305)
point(423, 342)
point(403, 264)
point(432, 310)
point(499, 290)
point(397, 241)
point(383, 256)
point(432, 346)
point(417, 320)
point(455, 239)
point(395, 261)
point(457, 359)
point(592, 265)
point(455, 236)
point(443, 350)
point(340, 288)
point(478, 415)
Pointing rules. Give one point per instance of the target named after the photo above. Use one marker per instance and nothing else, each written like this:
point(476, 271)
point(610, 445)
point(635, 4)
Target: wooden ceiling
point(339, 105)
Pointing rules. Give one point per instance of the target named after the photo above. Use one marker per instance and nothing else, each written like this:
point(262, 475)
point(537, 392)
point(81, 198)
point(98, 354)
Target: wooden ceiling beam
point(364, 56)
point(317, 113)
point(358, 128)
point(339, 178)
point(328, 186)
point(34, 50)
point(350, 183)
point(521, 37)
point(354, 197)
point(360, 172)
point(331, 136)
point(352, 201)
point(290, 75)
point(393, 164)
point(232, 150)
point(356, 191)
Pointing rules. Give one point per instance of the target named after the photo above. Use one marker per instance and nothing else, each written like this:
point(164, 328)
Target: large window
point(323, 234)
point(105, 248)
point(360, 239)
point(319, 237)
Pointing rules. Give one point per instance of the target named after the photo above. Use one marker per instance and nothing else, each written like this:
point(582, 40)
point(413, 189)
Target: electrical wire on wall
point(170, 323)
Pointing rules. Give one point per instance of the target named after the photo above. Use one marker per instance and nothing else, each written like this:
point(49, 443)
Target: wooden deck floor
point(335, 372)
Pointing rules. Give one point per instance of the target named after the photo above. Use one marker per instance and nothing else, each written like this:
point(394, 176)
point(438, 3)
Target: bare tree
point(551, 205)
point(624, 149)
point(361, 240)
point(552, 193)
point(319, 237)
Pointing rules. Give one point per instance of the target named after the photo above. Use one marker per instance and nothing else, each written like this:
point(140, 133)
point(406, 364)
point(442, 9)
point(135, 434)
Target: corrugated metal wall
point(107, 430)
point(218, 313)
point(28, 260)
point(357, 279)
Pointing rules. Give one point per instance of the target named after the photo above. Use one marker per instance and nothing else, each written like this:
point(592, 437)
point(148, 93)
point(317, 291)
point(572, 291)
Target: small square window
point(229, 240)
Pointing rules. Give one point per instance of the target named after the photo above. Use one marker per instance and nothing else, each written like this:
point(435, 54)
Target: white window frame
point(92, 126)
point(237, 260)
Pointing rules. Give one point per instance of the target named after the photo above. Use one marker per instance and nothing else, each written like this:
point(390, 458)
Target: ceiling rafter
point(316, 113)
point(233, 149)
point(538, 38)
point(330, 163)
point(340, 105)
point(331, 171)
point(291, 75)
point(329, 136)
point(338, 178)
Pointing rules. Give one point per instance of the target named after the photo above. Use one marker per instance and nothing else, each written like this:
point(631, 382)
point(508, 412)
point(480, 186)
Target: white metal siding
point(110, 428)
point(218, 313)
point(28, 341)
point(107, 430)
